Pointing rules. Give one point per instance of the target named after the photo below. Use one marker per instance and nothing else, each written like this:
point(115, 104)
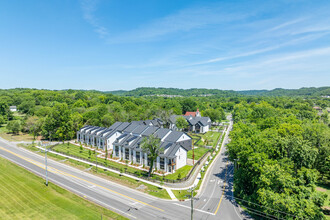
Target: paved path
point(211, 203)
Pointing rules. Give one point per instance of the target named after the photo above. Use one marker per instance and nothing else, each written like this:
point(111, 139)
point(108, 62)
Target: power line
point(256, 203)
point(263, 206)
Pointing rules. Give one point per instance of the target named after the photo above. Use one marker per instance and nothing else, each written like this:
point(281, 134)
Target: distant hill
point(174, 92)
point(310, 91)
point(151, 91)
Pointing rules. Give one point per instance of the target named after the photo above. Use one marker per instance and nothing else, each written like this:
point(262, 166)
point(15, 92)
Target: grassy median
point(24, 196)
point(123, 180)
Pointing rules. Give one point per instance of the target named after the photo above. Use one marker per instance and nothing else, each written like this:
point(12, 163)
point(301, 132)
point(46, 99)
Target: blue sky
point(125, 44)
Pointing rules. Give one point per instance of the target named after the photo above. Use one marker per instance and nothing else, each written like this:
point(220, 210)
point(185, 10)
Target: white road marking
point(188, 207)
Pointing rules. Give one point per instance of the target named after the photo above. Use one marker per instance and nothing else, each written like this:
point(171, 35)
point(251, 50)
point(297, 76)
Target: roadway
point(213, 202)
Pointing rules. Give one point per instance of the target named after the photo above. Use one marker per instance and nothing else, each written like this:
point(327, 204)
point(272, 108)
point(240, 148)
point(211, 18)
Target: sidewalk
point(115, 171)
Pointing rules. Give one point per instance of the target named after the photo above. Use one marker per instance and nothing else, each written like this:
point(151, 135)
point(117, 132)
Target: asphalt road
point(214, 201)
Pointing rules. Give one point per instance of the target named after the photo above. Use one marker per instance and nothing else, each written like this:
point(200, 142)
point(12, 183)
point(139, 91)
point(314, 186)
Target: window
point(137, 155)
point(162, 163)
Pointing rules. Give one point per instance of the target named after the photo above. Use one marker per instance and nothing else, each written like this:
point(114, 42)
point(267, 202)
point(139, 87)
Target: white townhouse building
point(196, 123)
point(124, 140)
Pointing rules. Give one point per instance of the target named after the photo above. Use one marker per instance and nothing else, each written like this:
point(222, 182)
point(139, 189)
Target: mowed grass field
point(23, 195)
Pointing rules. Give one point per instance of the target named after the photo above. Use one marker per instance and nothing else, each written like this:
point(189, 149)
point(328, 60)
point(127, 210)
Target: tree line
point(57, 115)
point(282, 149)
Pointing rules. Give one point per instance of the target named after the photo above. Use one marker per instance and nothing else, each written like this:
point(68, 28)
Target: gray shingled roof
point(139, 129)
point(172, 150)
point(149, 131)
point(115, 125)
point(130, 128)
point(122, 126)
point(173, 136)
point(162, 132)
point(192, 120)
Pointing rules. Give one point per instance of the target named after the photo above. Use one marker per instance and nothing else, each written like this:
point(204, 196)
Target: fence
point(139, 174)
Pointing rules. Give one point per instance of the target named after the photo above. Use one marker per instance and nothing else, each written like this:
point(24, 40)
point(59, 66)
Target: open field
point(24, 196)
point(14, 137)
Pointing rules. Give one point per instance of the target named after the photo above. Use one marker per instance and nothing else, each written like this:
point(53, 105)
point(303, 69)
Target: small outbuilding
point(13, 108)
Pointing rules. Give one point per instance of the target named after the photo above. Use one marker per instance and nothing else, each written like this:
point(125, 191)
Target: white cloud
point(89, 8)
point(182, 21)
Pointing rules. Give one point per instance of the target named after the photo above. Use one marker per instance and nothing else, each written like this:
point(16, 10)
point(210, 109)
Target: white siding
point(112, 139)
point(181, 158)
point(205, 129)
point(183, 137)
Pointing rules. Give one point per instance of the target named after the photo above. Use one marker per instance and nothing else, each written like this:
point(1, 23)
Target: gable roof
point(122, 126)
point(173, 136)
point(149, 131)
point(190, 114)
point(162, 132)
point(130, 127)
point(139, 129)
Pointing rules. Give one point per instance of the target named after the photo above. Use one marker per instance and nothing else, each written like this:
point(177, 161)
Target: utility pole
point(46, 164)
point(46, 150)
point(96, 160)
point(191, 190)
point(193, 156)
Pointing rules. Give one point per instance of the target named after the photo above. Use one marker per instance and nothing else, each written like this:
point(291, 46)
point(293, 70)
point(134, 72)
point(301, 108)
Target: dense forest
point(148, 91)
point(280, 143)
point(282, 149)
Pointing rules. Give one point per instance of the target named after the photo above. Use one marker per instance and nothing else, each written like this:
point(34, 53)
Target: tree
point(107, 120)
point(165, 115)
point(188, 104)
point(215, 114)
point(151, 146)
point(59, 123)
point(14, 126)
point(2, 120)
point(181, 122)
point(33, 125)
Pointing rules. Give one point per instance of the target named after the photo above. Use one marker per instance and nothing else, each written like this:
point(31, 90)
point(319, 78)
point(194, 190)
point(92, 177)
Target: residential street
point(211, 203)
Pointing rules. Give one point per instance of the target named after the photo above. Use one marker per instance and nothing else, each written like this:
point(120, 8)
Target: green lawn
point(183, 171)
point(123, 180)
point(210, 138)
point(76, 151)
point(24, 196)
point(182, 194)
point(198, 151)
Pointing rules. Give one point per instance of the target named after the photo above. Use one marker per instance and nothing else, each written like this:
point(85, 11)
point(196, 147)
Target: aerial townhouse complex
point(123, 139)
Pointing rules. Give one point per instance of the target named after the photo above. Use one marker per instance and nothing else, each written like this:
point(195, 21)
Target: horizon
point(107, 46)
point(164, 88)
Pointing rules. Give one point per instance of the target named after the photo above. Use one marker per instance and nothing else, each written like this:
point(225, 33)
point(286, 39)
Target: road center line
point(67, 174)
point(223, 191)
